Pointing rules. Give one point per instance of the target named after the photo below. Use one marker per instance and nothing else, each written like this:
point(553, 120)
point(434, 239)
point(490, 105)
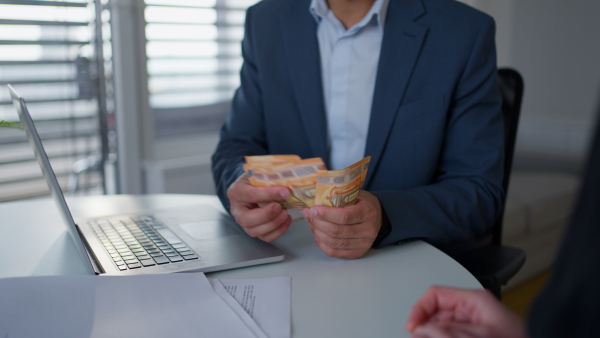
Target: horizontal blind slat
point(197, 40)
point(194, 74)
point(43, 3)
point(54, 136)
point(42, 23)
point(218, 7)
point(36, 62)
point(23, 82)
point(220, 56)
point(43, 101)
point(43, 42)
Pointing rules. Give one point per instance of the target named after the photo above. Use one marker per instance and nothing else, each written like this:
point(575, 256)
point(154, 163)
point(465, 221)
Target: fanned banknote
point(339, 188)
point(309, 180)
point(299, 176)
point(273, 159)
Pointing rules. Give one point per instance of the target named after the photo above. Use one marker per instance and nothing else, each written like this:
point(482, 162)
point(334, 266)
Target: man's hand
point(256, 210)
point(347, 232)
point(451, 312)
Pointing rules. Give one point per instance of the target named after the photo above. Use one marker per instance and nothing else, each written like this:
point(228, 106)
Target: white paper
point(237, 308)
point(166, 305)
point(266, 300)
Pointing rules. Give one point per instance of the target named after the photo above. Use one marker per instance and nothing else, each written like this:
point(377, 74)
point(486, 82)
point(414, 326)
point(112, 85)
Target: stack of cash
point(308, 179)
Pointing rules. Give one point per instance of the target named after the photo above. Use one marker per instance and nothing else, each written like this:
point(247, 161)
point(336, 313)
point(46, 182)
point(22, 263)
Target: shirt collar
point(319, 10)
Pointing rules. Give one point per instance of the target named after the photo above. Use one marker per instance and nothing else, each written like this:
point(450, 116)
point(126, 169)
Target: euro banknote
point(339, 188)
point(308, 179)
point(299, 176)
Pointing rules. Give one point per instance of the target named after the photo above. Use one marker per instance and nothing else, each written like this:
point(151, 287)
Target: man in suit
point(411, 83)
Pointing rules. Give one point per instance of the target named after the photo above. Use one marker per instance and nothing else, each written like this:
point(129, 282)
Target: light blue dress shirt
point(349, 60)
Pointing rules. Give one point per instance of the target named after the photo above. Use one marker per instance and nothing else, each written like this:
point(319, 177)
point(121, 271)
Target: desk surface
point(366, 297)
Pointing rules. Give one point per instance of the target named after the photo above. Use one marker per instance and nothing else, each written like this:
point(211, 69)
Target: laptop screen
point(42, 157)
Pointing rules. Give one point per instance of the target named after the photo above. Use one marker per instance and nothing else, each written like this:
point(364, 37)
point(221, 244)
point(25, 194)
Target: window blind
point(49, 54)
point(193, 59)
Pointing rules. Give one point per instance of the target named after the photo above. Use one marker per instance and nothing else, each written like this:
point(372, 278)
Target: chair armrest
point(494, 265)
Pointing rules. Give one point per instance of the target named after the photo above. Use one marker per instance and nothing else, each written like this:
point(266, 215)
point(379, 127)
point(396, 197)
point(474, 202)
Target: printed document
point(265, 300)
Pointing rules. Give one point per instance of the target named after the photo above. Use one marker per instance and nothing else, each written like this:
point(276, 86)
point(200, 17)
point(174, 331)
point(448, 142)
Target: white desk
point(366, 297)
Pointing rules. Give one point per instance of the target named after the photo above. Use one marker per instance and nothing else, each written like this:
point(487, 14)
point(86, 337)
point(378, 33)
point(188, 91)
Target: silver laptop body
point(202, 238)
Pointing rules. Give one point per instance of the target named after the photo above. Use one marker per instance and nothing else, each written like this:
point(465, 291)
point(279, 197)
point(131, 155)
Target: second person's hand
point(451, 312)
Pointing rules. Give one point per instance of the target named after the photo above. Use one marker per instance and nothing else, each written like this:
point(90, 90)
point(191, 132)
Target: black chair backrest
point(511, 86)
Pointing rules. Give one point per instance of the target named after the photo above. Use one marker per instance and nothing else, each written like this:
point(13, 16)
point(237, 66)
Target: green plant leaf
point(7, 124)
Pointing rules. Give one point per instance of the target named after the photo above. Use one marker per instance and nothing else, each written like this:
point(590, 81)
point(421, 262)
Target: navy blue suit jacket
point(435, 134)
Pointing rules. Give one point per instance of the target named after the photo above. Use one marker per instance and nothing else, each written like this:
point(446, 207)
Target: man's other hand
point(347, 232)
point(257, 211)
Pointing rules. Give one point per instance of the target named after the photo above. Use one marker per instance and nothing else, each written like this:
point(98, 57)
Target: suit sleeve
point(243, 131)
point(465, 196)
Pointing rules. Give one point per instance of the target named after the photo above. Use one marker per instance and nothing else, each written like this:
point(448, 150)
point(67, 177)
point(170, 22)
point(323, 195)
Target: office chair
point(492, 263)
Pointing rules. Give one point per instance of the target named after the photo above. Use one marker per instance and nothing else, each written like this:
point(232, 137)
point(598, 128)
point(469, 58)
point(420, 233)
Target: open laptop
point(202, 238)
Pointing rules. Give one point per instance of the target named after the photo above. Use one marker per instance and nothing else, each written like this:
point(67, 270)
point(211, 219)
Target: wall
point(182, 165)
point(555, 45)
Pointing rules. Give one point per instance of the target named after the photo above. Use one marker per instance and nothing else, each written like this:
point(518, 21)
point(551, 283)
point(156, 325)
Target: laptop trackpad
point(200, 230)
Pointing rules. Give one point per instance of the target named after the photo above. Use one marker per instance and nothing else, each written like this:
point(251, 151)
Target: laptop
point(185, 239)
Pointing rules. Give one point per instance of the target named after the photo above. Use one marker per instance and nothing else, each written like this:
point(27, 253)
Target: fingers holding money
point(241, 191)
point(257, 211)
point(347, 232)
point(266, 223)
point(339, 225)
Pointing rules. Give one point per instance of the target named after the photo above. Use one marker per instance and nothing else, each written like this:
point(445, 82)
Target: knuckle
point(344, 218)
point(345, 244)
point(231, 190)
point(326, 241)
point(337, 243)
point(242, 221)
point(235, 213)
point(336, 231)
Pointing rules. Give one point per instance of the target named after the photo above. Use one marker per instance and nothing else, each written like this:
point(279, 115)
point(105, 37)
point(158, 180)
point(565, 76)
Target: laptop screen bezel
point(55, 190)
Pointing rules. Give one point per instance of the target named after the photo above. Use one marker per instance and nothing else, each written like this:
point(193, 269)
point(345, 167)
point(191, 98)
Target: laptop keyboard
point(137, 242)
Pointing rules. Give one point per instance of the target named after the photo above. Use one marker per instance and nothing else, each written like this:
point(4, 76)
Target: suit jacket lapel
point(302, 49)
point(401, 45)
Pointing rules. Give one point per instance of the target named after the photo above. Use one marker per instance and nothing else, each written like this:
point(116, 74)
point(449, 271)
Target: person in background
point(411, 83)
point(566, 307)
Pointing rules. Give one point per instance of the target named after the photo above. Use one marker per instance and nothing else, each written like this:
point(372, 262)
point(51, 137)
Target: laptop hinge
point(90, 254)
